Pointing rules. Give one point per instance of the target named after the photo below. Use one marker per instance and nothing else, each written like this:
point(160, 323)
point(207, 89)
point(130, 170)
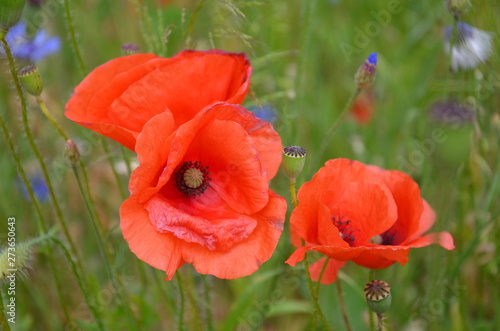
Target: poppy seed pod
point(31, 80)
point(10, 13)
point(378, 296)
point(294, 158)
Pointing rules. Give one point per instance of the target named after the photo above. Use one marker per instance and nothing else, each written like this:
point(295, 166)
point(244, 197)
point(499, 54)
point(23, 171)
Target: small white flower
point(471, 46)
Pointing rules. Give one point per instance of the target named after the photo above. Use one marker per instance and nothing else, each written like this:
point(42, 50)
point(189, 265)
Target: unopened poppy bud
point(378, 296)
point(366, 73)
point(294, 158)
point(31, 80)
point(458, 7)
point(10, 13)
point(71, 152)
point(129, 49)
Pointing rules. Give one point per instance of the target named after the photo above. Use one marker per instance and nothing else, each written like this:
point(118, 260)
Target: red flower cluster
point(201, 193)
point(351, 211)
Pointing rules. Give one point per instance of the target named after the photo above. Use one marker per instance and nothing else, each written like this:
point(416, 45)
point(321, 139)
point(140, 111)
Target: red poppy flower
point(120, 96)
point(200, 194)
point(362, 109)
point(351, 211)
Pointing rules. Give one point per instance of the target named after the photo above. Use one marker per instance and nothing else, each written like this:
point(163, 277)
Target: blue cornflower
point(471, 46)
point(366, 73)
point(40, 188)
point(265, 112)
point(32, 50)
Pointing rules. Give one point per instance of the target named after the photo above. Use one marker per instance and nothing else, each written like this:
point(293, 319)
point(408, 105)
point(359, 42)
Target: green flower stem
point(372, 320)
point(91, 209)
point(208, 304)
point(41, 221)
point(380, 322)
point(329, 134)
point(321, 276)
point(342, 305)
point(51, 118)
point(180, 313)
point(306, 264)
point(293, 191)
point(40, 161)
point(313, 292)
point(121, 187)
point(81, 283)
point(72, 36)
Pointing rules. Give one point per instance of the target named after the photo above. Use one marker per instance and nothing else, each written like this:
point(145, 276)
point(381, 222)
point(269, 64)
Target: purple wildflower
point(451, 112)
point(32, 50)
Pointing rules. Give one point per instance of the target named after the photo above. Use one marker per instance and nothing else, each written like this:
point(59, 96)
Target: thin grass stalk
point(187, 35)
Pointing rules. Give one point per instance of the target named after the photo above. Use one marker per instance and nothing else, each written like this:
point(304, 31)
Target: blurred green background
point(304, 55)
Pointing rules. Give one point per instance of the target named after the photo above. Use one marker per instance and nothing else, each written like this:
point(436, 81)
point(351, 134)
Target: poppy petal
point(246, 257)
point(372, 212)
point(161, 251)
point(444, 239)
point(220, 232)
point(331, 270)
point(410, 206)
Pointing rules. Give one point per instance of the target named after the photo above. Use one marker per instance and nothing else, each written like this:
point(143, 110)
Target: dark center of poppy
point(192, 179)
point(346, 230)
point(386, 238)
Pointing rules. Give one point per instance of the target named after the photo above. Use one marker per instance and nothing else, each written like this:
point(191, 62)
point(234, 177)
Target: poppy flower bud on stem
point(10, 13)
point(71, 152)
point(379, 299)
point(294, 158)
point(31, 80)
